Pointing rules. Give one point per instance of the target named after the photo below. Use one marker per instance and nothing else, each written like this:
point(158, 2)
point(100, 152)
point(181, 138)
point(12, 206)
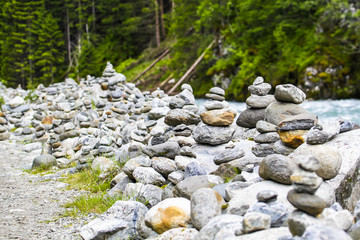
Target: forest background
point(314, 44)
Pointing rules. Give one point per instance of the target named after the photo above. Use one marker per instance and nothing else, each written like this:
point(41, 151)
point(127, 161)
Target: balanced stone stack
point(4, 134)
point(215, 127)
point(256, 104)
point(292, 120)
point(306, 182)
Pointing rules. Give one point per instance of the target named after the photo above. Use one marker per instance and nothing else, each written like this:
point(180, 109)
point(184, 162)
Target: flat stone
point(163, 165)
point(249, 117)
point(280, 148)
point(214, 97)
point(218, 91)
point(267, 196)
point(316, 136)
point(269, 137)
point(167, 149)
point(308, 162)
point(179, 233)
point(276, 210)
point(289, 93)
point(229, 155)
point(305, 182)
point(303, 121)
point(324, 232)
point(133, 163)
point(212, 135)
point(177, 117)
point(255, 101)
point(221, 117)
point(268, 234)
point(213, 105)
point(194, 169)
point(263, 150)
point(308, 203)
point(176, 177)
point(264, 127)
point(157, 113)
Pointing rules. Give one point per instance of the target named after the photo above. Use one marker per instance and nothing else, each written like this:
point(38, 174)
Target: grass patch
point(42, 170)
point(90, 203)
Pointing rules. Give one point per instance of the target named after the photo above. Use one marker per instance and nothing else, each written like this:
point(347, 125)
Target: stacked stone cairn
point(255, 104)
point(216, 122)
point(188, 174)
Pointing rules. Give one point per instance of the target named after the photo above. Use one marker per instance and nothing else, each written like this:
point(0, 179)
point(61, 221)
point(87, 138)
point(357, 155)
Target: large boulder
point(44, 161)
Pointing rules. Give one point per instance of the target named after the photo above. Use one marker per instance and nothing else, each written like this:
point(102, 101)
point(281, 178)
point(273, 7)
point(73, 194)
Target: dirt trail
point(29, 204)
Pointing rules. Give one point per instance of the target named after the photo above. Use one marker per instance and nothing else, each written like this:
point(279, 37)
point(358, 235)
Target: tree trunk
point(68, 37)
point(94, 16)
point(188, 72)
point(163, 32)
point(157, 24)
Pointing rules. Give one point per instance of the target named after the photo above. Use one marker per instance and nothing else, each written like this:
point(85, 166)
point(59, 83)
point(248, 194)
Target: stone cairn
point(4, 134)
point(215, 127)
point(255, 104)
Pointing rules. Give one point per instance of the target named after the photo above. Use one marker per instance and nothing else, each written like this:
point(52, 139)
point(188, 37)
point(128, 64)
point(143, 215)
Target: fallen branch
point(164, 82)
point(152, 64)
point(184, 77)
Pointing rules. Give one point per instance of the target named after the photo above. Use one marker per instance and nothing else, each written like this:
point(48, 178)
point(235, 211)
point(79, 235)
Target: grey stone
point(148, 175)
point(187, 151)
point(163, 165)
point(249, 117)
point(194, 169)
point(264, 127)
point(119, 184)
point(269, 137)
point(4, 136)
point(324, 232)
point(216, 97)
point(179, 116)
point(213, 105)
point(69, 134)
point(354, 231)
point(212, 135)
point(299, 221)
point(133, 163)
point(177, 234)
point(186, 86)
point(280, 148)
point(308, 203)
point(303, 121)
point(255, 101)
point(157, 113)
point(254, 221)
point(145, 193)
point(342, 219)
point(167, 149)
point(176, 177)
point(308, 162)
point(220, 226)
point(357, 211)
point(43, 161)
point(232, 188)
point(228, 155)
point(176, 102)
point(258, 80)
point(263, 150)
point(316, 136)
point(305, 182)
point(289, 93)
point(279, 111)
point(2, 129)
point(205, 205)
point(122, 220)
point(103, 164)
point(189, 185)
point(329, 158)
point(267, 196)
point(218, 91)
point(277, 168)
point(280, 233)
point(260, 89)
point(277, 212)
point(187, 96)
point(16, 101)
point(346, 126)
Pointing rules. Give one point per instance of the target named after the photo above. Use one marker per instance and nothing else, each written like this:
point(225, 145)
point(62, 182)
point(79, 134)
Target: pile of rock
point(216, 122)
point(4, 134)
point(255, 104)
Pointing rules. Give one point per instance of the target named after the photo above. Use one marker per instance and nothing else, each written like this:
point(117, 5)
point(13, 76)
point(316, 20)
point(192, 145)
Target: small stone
point(148, 175)
point(280, 148)
point(305, 182)
point(324, 232)
point(255, 221)
point(303, 121)
point(258, 80)
point(277, 168)
point(228, 155)
point(310, 204)
point(308, 162)
point(214, 97)
point(218, 91)
point(176, 177)
point(213, 105)
point(269, 137)
point(249, 117)
point(212, 135)
point(217, 117)
point(186, 86)
point(264, 127)
point(263, 150)
point(293, 138)
point(277, 211)
point(177, 117)
point(194, 169)
point(167, 149)
point(316, 136)
point(163, 165)
point(267, 196)
point(187, 96)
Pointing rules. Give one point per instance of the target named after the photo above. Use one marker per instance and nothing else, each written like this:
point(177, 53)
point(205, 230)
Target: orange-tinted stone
point(293, 138)
point(217, 117)
point(47, 120)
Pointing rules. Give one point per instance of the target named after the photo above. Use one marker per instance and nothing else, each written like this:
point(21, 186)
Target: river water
point(327, 110)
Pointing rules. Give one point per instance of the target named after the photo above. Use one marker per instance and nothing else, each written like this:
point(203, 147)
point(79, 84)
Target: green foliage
point(31, 96)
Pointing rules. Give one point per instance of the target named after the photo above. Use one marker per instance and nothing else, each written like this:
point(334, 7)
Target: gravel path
point(30, 205)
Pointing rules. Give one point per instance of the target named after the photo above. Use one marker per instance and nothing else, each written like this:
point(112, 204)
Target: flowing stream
point(327, 110)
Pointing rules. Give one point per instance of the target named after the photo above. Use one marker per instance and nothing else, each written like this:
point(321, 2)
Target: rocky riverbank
point(273, 171)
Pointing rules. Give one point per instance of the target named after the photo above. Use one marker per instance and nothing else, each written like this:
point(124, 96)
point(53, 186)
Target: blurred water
point(327, 110)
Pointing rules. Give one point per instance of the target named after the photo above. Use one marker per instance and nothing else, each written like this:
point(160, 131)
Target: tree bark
point(184, 77)
point(151, 65)
point(157, 24)
point(163, 32)
point(68, 37)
